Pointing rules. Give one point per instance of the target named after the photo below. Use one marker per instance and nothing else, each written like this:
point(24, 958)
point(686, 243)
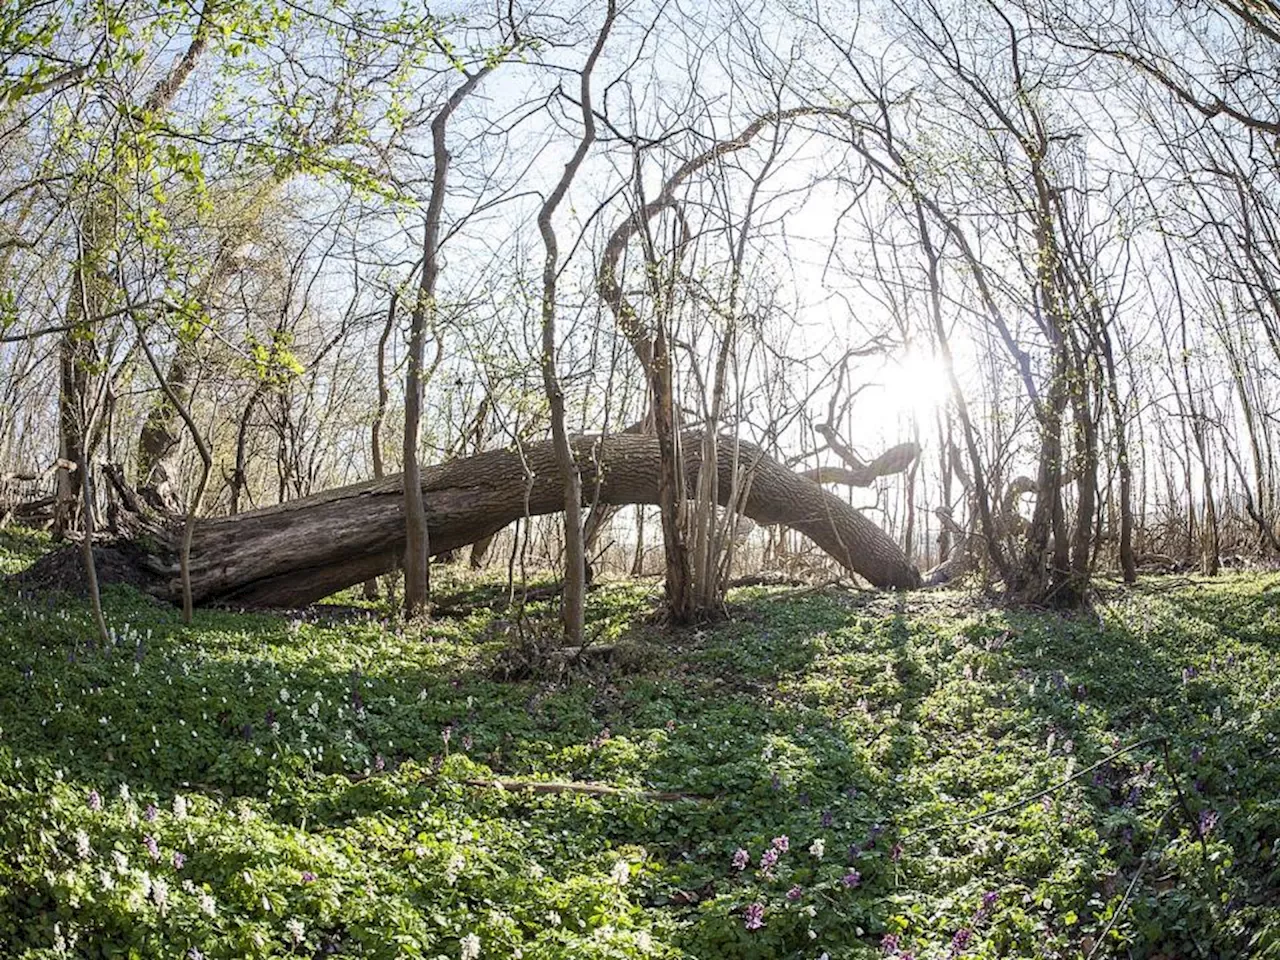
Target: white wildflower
point(121, 861)
point(818, 848)
point(83, 850)
point(296, 929)
point(470, 947)
point(456, 863)
point(160, 893)
point(553, 919)
point(179, 806)
point(124, 792)
point(208, 905)
point(621, 873)
point(644, 942)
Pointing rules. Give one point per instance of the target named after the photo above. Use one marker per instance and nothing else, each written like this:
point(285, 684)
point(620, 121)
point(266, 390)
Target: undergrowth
point(858, 775)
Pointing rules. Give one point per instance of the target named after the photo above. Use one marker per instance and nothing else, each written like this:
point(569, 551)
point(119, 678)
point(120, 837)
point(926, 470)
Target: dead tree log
point(298, 552)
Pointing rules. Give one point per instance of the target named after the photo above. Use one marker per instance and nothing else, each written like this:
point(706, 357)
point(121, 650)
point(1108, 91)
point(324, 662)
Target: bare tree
point(573, 600)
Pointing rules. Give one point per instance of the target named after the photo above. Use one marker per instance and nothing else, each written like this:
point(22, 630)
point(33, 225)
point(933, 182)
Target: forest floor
point(859, 775)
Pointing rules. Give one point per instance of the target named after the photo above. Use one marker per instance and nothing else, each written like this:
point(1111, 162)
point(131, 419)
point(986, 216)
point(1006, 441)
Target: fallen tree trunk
point(298, 552)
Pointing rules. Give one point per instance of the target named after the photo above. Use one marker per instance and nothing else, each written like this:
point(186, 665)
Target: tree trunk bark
point(299, 552)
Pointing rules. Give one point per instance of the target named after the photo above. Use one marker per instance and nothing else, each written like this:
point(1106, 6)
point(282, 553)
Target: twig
point(591, 789)
point(1137, 875)
point(556, 786)
point(1182, 800)
point(945, 824)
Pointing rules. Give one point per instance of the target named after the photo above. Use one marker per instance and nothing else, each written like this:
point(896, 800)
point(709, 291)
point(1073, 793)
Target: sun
point(915, 383)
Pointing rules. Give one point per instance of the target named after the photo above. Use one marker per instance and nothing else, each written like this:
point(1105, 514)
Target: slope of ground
point(860, 775)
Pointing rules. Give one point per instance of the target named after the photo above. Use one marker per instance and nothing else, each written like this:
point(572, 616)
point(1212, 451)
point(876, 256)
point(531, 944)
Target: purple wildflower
point(782, 844)
point(851, 879)
point(379, 763)
point(152, 847)
point(194, 954)
point(988, 902)
point(1189, 674)
point(1196, 753)
point(150, 813)
point(179, 859)
point(446, 735)
point(895, 852)
point(1208, 820)
point(827, 818)
point(753, 916)
point(768, 859)
point(960, 942)
point(889, 943)
point(466, 742)
point(795, 893)
point(741, 859)
point(95, 800)
point(308, 876)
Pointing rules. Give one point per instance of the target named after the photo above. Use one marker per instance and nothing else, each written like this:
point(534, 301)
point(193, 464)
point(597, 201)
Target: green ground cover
point(267, 786)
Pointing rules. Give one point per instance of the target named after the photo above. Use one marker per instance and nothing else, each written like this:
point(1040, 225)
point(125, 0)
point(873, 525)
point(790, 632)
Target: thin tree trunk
point(380, 414)
point(90, 566)
point(206, 461)
point(573, 600)
point(417, 556)
point(1128, 563)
